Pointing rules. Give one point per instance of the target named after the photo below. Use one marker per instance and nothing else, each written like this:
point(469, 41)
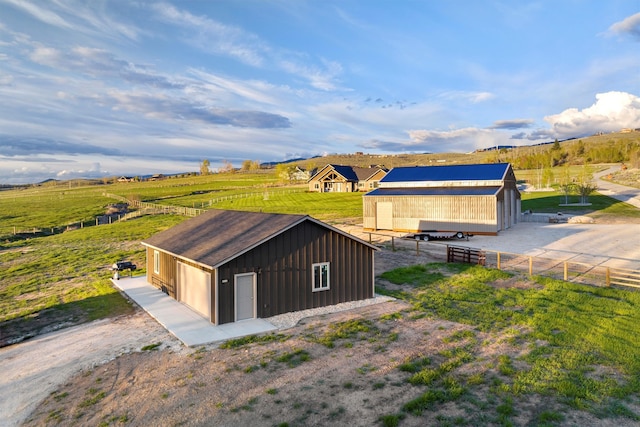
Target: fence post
point(498, 260)
point(608, 279)
point(566, 271)
point(530, 266)
point(97, 221)
point(417, 247)
point(369, 237)
point(393, 244)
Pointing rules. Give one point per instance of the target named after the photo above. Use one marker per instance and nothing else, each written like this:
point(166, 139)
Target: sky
point(121, 87)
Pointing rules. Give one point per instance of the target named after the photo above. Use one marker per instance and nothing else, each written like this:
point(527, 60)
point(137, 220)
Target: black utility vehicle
point(123, 265)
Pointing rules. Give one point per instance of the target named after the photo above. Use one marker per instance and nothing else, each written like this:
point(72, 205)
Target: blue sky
point(95, 88)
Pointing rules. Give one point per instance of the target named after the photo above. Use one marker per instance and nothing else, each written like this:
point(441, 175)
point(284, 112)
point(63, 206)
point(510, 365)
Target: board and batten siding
point(283, 267)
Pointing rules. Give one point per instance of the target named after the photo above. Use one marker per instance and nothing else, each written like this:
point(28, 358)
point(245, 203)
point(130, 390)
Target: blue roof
point(488, 171)
point(435, 191)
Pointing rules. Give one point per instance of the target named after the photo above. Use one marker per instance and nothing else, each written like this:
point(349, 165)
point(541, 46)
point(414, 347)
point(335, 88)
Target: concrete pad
point(181, 321)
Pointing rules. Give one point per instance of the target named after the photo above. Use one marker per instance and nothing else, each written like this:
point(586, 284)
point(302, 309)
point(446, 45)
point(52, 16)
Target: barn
point(475, 198)
point(230, 265)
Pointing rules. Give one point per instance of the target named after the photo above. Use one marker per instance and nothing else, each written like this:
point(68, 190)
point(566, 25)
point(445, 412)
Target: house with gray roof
point(230, 266)
point(474, 198)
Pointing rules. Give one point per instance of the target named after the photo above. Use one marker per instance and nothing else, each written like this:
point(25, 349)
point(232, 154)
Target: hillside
point(607, 148)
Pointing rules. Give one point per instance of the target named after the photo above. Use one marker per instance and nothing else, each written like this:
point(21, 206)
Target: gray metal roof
point(217, 236)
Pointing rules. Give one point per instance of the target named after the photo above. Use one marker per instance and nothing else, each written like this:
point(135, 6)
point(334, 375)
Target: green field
point(574, 343)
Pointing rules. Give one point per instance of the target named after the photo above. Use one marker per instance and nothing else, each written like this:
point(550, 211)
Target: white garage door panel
point(194, 288)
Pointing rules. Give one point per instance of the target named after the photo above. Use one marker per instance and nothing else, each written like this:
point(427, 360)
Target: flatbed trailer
point(438, 235)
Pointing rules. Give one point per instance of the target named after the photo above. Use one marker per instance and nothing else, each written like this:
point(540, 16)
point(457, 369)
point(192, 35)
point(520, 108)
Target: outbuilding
point(474, 198)
point(231, 265)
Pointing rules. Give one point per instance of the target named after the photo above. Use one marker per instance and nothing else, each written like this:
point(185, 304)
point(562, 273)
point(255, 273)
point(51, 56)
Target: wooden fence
point(567, 270)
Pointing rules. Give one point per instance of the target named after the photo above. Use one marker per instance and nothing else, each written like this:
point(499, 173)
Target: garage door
point(384, 216)
point(194, 289)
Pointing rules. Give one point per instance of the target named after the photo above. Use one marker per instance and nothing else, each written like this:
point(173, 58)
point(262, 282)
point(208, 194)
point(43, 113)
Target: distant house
point(126, 179)
point(345, 179)
point(480, 198)
point(231, 266)
point(301, 174)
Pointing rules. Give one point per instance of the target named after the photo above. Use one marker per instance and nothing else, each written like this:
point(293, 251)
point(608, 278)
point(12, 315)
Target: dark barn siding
point(283, 267)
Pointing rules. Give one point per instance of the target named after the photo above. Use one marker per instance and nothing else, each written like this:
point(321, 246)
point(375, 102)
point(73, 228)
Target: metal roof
point(218, 236)
point(435, 191)
point(477, 172)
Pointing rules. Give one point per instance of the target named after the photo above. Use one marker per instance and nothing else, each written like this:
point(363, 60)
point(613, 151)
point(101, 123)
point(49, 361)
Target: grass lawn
point(601, 206)
point(577, 343)
point(64, 278)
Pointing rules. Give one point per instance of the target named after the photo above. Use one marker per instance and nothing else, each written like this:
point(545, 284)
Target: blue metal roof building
point(475, 198)
point(475, 173)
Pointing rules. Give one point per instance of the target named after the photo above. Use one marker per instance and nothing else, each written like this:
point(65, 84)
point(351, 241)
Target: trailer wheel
point(426, 237)
point(460, 235)
point(417, 237)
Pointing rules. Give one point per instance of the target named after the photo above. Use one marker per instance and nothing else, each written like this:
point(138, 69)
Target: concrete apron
point(181, 321)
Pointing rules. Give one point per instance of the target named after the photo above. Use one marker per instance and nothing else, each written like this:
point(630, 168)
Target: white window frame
point(323, 286)
point(156, 262)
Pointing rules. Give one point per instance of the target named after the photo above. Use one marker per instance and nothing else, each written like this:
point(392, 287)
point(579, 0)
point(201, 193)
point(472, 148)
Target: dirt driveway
point(33, 369)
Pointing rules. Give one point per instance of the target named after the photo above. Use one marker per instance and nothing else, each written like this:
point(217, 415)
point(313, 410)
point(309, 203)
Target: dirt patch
point(298, 381)
point(302, 381)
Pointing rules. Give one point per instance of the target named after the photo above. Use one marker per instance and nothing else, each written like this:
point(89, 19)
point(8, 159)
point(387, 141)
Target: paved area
point(612, 245)
point(623, 193)
point(182, 322)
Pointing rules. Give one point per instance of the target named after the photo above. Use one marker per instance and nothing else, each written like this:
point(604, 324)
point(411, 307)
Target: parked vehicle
point(438, 235)
point(123, 265)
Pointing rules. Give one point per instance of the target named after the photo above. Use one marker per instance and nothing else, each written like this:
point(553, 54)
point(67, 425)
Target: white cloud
point(629, 25)
point(215, 37)
point(39, 13)
point(612, 111)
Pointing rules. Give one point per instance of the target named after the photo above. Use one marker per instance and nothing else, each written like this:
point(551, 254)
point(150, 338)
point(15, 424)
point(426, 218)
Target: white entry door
point(384, 216)
point(245, 292)
point(194, 289)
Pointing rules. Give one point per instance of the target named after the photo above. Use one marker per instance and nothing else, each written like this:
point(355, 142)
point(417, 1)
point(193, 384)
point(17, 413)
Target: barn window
point(156, 262)
point(320, 276)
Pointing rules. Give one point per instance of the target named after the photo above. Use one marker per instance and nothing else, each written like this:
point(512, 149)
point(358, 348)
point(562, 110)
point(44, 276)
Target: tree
point(204, 167)
point(226, 166)
point(284, 171)
point(250, 165)
point(566, 184)
point(585, 185)
point(547, 177)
